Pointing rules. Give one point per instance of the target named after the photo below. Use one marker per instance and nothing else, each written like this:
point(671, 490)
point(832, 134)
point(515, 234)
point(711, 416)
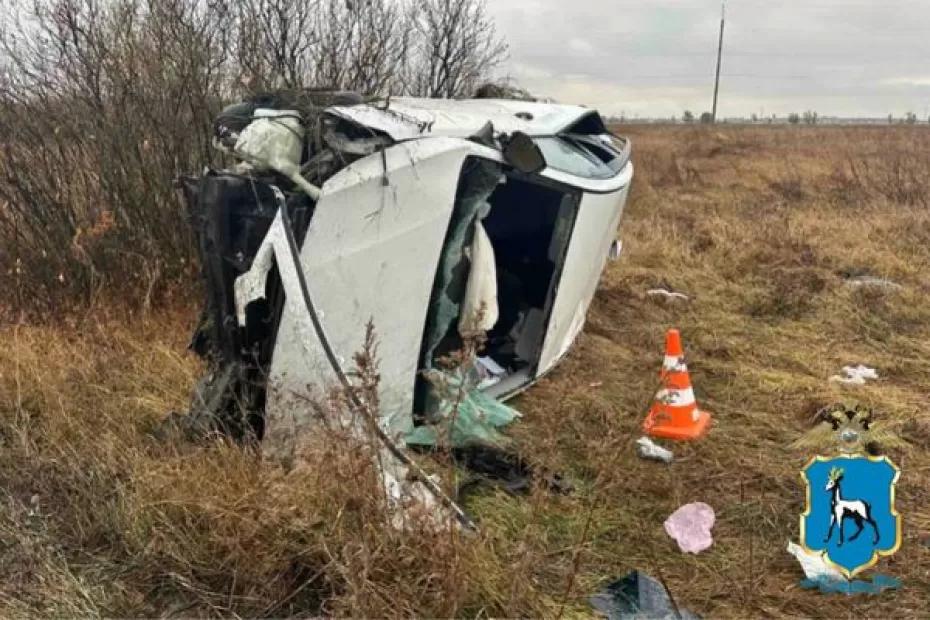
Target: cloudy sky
point(657, 57)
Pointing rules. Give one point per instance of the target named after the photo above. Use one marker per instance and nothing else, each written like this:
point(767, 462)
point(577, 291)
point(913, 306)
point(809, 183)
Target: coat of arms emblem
point(850, 515)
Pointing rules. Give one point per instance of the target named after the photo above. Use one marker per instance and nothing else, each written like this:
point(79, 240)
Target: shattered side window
point(583, 156)
point(568, 157)
point(616, 143)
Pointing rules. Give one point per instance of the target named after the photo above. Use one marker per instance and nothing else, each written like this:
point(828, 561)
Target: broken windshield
point(588, 156)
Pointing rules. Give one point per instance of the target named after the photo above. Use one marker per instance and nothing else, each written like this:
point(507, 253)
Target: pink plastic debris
point(690, 527)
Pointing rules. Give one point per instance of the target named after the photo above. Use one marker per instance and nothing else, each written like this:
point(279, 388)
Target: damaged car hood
point(407, 118)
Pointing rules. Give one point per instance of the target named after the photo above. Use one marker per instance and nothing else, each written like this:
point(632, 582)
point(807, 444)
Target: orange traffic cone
point(675, 414)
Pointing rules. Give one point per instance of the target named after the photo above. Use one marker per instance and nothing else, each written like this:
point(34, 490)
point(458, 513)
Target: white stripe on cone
point(676, 398)
point(674, 364)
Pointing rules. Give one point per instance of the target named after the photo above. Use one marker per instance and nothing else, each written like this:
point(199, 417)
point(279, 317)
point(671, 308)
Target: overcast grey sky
point(656, 57)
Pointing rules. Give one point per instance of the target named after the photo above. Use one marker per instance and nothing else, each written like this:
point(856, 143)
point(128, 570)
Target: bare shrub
point(103, 103)
point(331, 44)
point(892, 167)
point(457, 47)
point(102, 107)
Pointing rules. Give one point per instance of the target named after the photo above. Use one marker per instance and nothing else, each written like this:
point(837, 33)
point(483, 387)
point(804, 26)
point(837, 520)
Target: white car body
point(376, 237)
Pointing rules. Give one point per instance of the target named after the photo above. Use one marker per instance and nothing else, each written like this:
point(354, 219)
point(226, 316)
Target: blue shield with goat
point(850, 512)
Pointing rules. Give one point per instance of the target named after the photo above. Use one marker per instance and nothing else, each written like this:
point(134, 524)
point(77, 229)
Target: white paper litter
point(650, 450)
point(872, 281)
point(813, 564)
point(616, 249)
point(668, 295)
point(490, 372)
point(855, 375)
point(490, 365)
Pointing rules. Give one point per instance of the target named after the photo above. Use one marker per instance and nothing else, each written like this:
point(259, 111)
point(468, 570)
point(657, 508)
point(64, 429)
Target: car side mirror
point(523, 154)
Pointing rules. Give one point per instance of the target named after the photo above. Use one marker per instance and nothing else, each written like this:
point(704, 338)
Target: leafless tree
point(363, 45)
point(337, 44)
point(103, 103)
point(457, 47)
point(277, 41)
point(382, 37)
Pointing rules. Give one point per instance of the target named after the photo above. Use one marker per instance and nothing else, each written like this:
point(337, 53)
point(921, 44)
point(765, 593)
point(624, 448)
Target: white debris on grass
point(873, 282)
point(855, 375)
point(813, 564)
point(650, 450)
point(667, 295)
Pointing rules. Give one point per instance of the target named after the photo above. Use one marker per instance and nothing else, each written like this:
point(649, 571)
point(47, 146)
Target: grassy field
point(759, 226)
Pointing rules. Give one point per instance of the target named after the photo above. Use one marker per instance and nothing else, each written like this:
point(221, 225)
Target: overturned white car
point(436, 220)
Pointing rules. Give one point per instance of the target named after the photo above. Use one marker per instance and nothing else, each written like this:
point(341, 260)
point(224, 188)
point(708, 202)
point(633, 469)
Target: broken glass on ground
point(464, 414)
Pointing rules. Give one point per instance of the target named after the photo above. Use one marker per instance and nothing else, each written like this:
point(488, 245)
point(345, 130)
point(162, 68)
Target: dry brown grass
point(757, 225)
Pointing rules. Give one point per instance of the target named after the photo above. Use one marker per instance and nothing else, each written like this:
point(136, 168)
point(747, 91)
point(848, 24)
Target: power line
point(699, 78)
point(910, 54)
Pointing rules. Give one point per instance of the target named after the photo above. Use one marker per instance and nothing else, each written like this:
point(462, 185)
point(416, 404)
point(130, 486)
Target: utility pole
point(723, 12)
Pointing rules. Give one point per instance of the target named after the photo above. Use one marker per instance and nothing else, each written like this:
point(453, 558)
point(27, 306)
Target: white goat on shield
point(858, 510)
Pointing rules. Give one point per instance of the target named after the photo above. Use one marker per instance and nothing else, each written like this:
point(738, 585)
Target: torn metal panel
point(230, 216)
point(341, 143)
point(402, 477)
point(370, 254)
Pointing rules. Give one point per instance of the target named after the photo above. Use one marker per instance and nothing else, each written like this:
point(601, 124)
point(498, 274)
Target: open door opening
point(529, 226)
point(525, 227)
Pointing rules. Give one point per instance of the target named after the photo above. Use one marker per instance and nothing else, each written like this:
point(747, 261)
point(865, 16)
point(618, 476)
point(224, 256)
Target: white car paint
point(370, 253)
point(594, 232)
point(374, 242)
point(410, 118)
